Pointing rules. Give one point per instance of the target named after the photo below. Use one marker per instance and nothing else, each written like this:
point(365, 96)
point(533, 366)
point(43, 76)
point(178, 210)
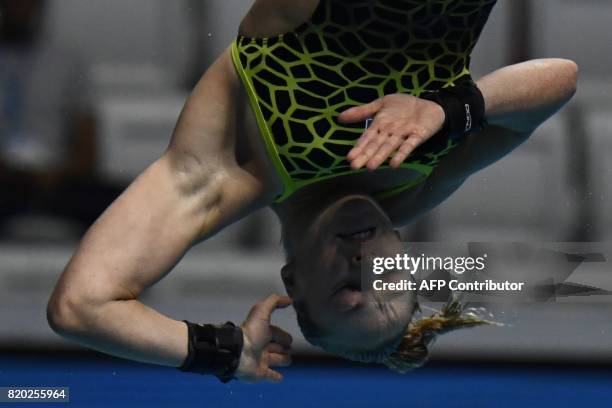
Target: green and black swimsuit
point(350, 53)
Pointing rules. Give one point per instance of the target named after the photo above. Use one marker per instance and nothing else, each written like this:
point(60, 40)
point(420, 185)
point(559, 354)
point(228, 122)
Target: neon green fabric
point(349, 53)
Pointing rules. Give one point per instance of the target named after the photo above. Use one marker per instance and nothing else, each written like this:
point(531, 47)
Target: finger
point(279, 336)
point(370, 150)
point(273, 376)
point(361, 113)
point(404, 151)
point(276, 348)
point(263, 310)
point(279, 360)
point(363, 141)
point(391, 145)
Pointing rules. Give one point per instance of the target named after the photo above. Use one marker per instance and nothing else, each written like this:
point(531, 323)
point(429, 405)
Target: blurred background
point(90, 91)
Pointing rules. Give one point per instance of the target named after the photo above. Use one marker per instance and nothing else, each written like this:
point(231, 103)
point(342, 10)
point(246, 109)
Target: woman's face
point(326, 275)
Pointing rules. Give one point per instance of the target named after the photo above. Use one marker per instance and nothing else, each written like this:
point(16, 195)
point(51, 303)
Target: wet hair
point(412, 351)
point(407, 352)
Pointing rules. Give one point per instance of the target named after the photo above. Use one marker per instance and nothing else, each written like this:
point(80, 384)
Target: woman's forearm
point(129, 329)
point(520, 97)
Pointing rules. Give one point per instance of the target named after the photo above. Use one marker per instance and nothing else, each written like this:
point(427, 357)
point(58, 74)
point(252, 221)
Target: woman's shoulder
point(268, 18)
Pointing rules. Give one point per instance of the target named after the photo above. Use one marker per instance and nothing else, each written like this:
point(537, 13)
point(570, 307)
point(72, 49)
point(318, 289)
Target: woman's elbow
point(561, 81)
point(71, 312)
point(77, 305)
point(569, 71)
point(65, 313)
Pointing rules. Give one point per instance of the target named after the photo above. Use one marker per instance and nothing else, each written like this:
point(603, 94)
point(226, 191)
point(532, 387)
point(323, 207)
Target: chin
point(382, 322)
point(392, 314)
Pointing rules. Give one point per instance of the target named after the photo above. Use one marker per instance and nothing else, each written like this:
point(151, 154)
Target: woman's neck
point(308, 201)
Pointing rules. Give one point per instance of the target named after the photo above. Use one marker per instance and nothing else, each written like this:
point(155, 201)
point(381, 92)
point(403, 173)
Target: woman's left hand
point(401, 124)
point(265, 345)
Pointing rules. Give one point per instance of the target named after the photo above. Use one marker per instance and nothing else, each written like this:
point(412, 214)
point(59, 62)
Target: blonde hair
point(412, 351)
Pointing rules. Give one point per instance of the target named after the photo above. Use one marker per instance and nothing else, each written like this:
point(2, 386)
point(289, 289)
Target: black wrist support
point(463, 105)
point(213, 350)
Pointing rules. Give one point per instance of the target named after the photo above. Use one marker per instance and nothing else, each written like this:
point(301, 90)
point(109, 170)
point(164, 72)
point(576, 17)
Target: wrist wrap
point(464, 108)
point(213, 350)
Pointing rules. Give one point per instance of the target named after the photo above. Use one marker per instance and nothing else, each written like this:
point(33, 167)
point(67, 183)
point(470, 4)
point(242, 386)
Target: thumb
point(264, 309)
point(361, 113)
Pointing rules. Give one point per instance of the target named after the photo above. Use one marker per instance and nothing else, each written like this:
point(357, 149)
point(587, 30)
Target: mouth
point(352, 286)
point(348, 296)
point(358, 236)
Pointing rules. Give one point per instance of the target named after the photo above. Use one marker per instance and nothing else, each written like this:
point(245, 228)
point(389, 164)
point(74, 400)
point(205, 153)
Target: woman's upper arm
point(146, 231)
point(192, 191)
point(207, 124)
point(270, 18)
point(202, 152)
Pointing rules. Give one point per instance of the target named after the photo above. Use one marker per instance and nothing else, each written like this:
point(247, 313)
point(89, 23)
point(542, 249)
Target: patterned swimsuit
point(349, 53)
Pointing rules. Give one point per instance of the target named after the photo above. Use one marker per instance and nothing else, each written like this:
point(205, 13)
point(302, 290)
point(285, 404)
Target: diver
point(349, 118)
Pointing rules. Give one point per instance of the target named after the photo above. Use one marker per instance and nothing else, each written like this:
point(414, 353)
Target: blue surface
point(115, 383)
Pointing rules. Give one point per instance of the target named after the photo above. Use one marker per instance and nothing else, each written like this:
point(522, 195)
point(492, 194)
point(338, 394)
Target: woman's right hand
point(265, 345)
